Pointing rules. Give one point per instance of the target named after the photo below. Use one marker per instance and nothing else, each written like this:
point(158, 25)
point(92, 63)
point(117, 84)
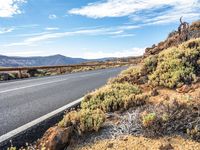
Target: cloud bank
point(120, 53)
point(8, 8)
point(147, 11)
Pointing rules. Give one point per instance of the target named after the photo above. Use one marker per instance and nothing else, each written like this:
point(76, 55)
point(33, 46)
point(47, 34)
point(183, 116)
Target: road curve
point(25, 100)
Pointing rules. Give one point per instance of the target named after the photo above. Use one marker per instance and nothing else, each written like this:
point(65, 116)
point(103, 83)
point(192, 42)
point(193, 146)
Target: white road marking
point(50, 82)
point(37, 121)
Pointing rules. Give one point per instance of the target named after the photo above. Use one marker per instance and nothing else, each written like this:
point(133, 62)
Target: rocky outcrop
point(56, 138)
point(184, 33)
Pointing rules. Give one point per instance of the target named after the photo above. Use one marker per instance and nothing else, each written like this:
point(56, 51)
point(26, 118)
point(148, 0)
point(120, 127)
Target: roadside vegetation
point(155, 89)
point(157, 101)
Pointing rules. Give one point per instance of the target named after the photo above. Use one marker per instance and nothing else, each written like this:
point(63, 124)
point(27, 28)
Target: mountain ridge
point(17, 61)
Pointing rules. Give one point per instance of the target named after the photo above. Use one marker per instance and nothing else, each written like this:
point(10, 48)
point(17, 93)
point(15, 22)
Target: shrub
point(150, 63)
point(148, 119)
point(84, 120)
point(194, 132)
point(71, 118)
point(111, 97)
point(12, 148)
point(176, 66)
point(133, 75)
point(135, 100)
point(91, 119)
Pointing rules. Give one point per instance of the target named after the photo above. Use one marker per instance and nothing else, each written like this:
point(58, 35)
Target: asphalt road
point(23, 101)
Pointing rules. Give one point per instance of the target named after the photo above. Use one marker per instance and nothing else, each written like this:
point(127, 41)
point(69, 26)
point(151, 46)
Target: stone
point(184, 89)
point(56, 138)
point(154, 92)
point(110, 145)
point(166, 147)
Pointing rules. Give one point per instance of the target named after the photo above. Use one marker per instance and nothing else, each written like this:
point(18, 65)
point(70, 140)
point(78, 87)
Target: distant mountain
point(6, 61)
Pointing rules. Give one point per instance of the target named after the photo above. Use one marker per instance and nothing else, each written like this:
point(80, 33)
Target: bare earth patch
point(142, 143)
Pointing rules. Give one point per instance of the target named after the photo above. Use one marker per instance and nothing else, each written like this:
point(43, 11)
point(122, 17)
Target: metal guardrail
point(20, 69)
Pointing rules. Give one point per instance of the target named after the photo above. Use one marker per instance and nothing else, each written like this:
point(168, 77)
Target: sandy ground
point(142, 143)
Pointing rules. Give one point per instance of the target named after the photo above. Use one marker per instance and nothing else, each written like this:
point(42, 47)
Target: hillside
point(154, 105)
point(39, 61)
point(184, 33)
point(53, 60)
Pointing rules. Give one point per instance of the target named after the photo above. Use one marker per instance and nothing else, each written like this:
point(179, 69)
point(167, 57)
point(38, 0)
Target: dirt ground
point(142, 143)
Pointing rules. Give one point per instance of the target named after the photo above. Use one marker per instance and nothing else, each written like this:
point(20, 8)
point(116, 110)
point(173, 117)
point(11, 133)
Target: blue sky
point(89, 28)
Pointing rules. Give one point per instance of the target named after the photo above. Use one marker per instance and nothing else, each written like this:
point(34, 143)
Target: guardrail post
point(60, 70)
point(20, 73)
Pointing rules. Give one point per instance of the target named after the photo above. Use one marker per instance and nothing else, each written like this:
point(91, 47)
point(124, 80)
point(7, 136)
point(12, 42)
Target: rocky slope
point(175, 38)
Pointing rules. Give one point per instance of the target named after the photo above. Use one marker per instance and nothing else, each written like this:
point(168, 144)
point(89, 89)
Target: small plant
point(148, 119)
point(194, 132)
point(91, 119)
point(71, 118)
point(165, 117)
point(12, 148)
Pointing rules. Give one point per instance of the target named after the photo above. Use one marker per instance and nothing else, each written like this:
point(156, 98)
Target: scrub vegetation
point(157, 100)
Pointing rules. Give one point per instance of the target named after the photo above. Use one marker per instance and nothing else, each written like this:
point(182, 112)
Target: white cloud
point(154, 11)
point(122, 53)
point(122, 35)
point(51, 28)
point(8, 8)
point(38, 37)
point(6, 30)
point(52, 16)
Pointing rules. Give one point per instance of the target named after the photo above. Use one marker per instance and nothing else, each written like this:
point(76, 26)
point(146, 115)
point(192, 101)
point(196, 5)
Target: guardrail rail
point(60, 67)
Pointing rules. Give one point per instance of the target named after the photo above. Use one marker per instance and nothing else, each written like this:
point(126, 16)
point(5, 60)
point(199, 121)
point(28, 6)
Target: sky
point(89, 28)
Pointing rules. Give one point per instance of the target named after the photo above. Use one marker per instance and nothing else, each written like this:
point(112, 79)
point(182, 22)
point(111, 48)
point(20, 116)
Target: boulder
point(56, 138)
point(184, 89)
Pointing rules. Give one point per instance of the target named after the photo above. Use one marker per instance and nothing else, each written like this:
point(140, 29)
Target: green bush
point(150, 63)
point(71, 118)
point(135, 100)
point(148, 119)
point(132, 75)
point(110, 97)
point(12, 148)
point(91, 119)
point(84, 120)
point(176, 66)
